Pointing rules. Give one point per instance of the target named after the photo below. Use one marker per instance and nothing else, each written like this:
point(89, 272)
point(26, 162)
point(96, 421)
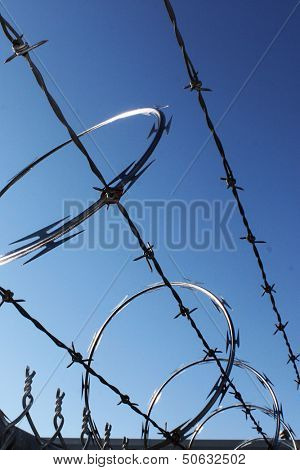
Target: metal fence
point(48, 238)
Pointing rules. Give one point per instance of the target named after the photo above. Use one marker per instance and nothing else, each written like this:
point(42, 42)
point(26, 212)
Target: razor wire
point(277, 413)
point(220, 388)
point(9, 431)
point(231, 344)
point(76, 357)
point(209, 352)
point(268, 288)
point(109, 195)
point(175, 436)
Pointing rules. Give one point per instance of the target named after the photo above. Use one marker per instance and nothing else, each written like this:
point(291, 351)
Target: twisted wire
point(179, 432)
point(268, 288)
point(27, 402)
point(85, 435)
point(18, 46)
point(78, 358)
point(265, 382)
point(107, 433)
point(185, 312)
point(17, 41)
point(58, 421)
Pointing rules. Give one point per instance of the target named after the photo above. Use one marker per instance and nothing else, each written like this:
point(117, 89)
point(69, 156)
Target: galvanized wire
point(268, 287)
point(76, 357)
point(18, 44)
point(186, 313)
point(112, 196)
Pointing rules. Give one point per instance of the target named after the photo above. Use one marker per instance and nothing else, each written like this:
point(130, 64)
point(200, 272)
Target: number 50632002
point(215, 459)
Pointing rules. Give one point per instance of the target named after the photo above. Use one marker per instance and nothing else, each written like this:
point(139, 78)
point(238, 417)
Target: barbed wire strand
point(18, 42)
point(78, 358)
point(185, 312)
point(268, 288)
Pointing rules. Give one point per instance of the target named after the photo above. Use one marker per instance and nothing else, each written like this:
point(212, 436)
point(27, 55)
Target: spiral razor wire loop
point(48, 239)
point(211, 354)
point(246, 409)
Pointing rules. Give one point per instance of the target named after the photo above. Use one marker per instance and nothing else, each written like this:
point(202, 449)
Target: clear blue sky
point(104, 57)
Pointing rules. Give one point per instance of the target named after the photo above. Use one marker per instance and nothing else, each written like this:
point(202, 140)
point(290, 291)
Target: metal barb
point(126, 400)
point(267, 289)
point(231, 183)
point(280, 327)
point(196, 84)
point(193, 76)
point(252, 239)
point(211, 353)
point(185, 311)
point(8, 296)
point(236, 340)
point(148, 255)
point(293, 358)
point(76, 357)
point(21, 48)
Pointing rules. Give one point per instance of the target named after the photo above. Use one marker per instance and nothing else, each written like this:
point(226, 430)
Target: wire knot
point(76, 357)
point(19, 46)
point(293, 358)
point(267, 289)
point(210, 353)
point(231, 183)
point(126, 400)
point(148, 255)
point(280, 327)
point(7, 296)
point(251, 239)
point(196, 84)
point(185, 312)
point(258, 428)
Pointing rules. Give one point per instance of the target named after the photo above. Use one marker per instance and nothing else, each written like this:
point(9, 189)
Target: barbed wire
point(173, 436)
point(22, 48)
point(268, 288)
point(218, 389)
point(12, 437)
point(186, 313)
point(277, 413)
point(112, 195)
point(76, 357)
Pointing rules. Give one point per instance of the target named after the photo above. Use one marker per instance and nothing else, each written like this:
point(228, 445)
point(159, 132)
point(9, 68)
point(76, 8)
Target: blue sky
point(103, 58)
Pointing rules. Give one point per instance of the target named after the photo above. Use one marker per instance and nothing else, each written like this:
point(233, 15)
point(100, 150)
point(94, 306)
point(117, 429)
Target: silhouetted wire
point(17, 43)
point(22, 48)
point(185, 312)
point(78, 358)
point(268, 288)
